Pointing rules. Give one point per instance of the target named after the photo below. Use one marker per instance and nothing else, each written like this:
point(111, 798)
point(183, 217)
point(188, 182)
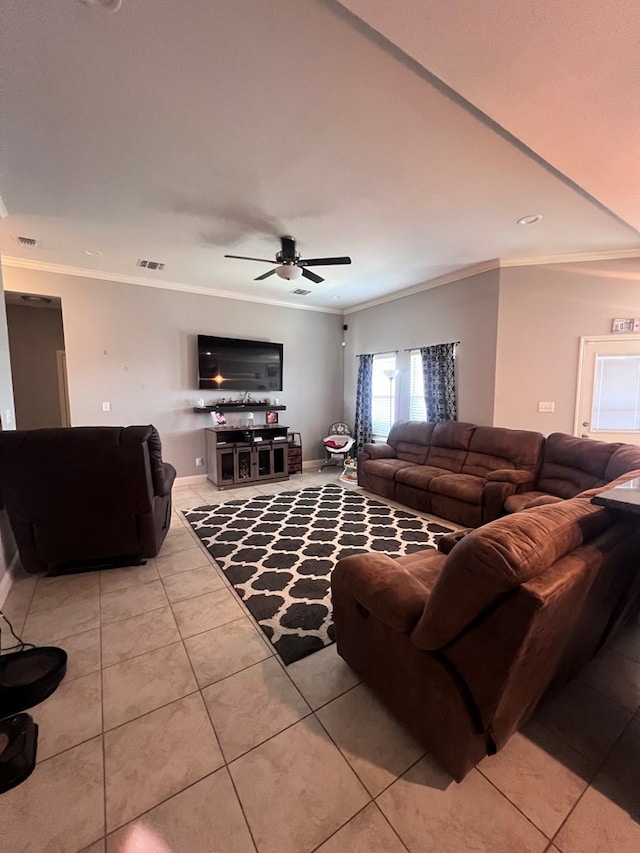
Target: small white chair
point(337, 445)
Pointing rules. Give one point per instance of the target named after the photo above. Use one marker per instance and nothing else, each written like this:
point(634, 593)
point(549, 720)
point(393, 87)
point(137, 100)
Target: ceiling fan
point(291, 265)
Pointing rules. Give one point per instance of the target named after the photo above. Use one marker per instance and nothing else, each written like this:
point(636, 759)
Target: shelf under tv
point(239, 407)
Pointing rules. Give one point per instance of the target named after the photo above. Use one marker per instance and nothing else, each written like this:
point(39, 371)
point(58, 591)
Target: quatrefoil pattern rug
point(278, 552)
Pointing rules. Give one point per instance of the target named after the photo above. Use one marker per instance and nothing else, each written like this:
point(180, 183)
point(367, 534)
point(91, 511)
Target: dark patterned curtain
point(439, 373)
point(363, 428)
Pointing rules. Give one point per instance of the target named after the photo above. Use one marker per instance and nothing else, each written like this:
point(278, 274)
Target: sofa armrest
point(165, 478)
point(379, 451)
point(515, 476)
point(383, 587)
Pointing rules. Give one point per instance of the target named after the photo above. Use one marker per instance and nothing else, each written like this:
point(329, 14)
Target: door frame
point(590, 339)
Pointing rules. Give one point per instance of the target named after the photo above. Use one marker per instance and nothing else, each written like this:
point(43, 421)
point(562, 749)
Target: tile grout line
point(215, 734)
point(592, 779)
point(515, 806)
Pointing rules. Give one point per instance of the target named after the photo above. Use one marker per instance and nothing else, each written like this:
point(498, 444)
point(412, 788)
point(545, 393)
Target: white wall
point(544, 310)
point(135, 347)
point(35, 334)
point(465, 311)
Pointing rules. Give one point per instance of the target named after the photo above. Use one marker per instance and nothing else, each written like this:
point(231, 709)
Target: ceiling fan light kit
point(289, 271)
point(290, 264)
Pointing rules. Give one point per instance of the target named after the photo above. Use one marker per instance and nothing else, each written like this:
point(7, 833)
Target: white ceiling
point(178, 132)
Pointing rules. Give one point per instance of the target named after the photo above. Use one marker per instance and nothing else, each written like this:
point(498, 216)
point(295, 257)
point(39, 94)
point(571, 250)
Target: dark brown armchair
point(82, 497)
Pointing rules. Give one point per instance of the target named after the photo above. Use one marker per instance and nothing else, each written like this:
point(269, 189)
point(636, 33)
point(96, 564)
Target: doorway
point(608, 403)
point(38, 363)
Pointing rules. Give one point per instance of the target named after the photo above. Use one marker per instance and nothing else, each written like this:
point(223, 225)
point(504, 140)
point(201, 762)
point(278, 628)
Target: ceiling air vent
point(31, 242)
point(300, 292)
point(150, 265)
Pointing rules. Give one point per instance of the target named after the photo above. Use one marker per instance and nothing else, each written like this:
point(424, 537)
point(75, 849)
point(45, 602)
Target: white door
point(609, 394)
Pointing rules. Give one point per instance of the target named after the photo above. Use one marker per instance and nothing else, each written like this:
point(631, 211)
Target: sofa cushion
point(419, 476)
point(449, 445)
point(464, 487)
point(495, 448)
point(572, 465)
point(500, 556)
point(411, 440)
point(385, 468)
point(515, 503)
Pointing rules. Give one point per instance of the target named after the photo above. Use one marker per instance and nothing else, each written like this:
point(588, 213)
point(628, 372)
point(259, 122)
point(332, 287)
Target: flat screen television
point(233, 364)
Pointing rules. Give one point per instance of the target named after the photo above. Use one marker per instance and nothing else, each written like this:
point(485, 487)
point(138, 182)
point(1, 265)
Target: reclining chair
point(85, 497)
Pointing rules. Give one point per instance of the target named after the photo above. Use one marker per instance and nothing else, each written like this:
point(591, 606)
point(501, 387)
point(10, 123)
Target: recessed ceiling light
point(91, 252)
point(530, 220)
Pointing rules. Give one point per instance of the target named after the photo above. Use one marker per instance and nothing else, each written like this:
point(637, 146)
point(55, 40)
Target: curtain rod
point(410, 349)
point(382, 352)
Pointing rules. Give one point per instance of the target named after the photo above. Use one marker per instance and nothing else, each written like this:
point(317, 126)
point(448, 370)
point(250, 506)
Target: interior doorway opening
point(38, 360)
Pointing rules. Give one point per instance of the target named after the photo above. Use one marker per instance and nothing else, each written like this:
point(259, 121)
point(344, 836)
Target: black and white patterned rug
point(279, 550)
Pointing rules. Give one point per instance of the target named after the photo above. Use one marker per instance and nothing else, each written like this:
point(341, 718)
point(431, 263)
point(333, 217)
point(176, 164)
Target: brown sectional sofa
point(474, 474)
point(462, 646)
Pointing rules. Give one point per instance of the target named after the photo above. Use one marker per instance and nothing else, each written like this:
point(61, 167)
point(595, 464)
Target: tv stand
point(242, 455)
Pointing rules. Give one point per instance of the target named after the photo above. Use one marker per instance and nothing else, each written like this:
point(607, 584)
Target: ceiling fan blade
point(264, 275)
point(288, 248)
point(322, 262)
point(243, 258)
point(312, 276)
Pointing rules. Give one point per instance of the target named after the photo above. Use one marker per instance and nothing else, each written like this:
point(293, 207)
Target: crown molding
point(81, 272)
point(447, 278)
point(572, 258)
point(498, 263)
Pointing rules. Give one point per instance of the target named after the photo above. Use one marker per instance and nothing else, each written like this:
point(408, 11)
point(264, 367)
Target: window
point(383, 394)
point(616, 393)
point(417, 407)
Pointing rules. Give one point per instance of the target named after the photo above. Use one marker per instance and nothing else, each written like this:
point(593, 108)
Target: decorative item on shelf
point(272, 417)
point(218, 418)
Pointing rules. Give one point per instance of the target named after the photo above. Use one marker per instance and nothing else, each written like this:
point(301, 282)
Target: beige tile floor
point(176, 712)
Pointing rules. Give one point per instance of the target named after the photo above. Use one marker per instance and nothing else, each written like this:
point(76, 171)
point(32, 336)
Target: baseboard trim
point(196, 479)
point(193, 480)
point(312, 463)
point(7, 579)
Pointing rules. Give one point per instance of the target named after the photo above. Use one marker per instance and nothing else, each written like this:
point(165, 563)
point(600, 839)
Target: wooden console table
point(239, 456)
point(625, 497)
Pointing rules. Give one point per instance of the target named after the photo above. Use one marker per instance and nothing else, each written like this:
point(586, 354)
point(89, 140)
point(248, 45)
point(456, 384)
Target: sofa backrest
point(570, 464)
point(450, 442)
point(496, 448)
point(411, 440)
point(500, 556)
point(625, 458)
point(83, 468)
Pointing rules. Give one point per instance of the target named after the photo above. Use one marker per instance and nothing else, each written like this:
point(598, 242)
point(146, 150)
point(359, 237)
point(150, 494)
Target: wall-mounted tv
point(233, 364)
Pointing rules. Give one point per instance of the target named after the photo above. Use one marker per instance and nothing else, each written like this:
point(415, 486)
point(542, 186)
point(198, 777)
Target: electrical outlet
point(106, 407)
point(199, 461)
point(546, 407)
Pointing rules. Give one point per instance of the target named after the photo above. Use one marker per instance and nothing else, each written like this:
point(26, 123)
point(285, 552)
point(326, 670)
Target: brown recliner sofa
point(473, 474)
point(81, 497)
point(570, 465)
point(456, 470)
point(462, 647)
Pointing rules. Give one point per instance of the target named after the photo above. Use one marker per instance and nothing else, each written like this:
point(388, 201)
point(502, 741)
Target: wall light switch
point(106, 407)
point(546, 407)
point(199, 461)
